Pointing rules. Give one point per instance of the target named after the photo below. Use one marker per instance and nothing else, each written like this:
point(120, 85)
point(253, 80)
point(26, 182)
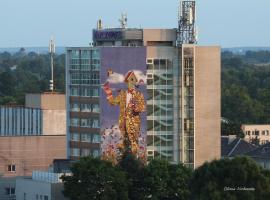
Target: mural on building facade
point(123, 114)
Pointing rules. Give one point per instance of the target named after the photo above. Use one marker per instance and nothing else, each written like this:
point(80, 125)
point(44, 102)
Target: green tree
point(93, 178)
point(165, 181)
point(134, 170)
point(212, 180)
point(231, 128)
point(7, 83)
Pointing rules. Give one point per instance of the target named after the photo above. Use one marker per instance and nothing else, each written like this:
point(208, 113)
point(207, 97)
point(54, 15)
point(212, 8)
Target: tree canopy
point(130, 179)
point(239, 178)
point(93, 178)
point(22, 73)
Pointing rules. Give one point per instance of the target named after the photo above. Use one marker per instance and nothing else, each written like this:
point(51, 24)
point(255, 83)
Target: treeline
point(22, 73)
point(246, 87)
point(130, 179)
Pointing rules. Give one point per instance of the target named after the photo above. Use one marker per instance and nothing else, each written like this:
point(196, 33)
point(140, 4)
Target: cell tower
point(52, 52)
point(187, 23)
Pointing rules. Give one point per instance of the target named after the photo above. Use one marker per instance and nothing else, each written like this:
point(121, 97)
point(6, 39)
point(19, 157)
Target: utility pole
point(52, 52)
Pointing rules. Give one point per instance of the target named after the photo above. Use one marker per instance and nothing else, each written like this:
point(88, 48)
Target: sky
point(228, 23)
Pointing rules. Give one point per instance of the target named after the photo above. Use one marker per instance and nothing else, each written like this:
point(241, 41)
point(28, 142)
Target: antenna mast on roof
point(52, 52)
point(123, 20)
point(187, 33)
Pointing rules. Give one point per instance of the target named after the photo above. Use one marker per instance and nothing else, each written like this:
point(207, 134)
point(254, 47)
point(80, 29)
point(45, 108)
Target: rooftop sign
point(109, 35)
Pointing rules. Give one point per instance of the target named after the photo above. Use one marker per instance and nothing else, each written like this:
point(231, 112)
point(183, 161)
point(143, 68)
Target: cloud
point(116, 78)
point(140, 76)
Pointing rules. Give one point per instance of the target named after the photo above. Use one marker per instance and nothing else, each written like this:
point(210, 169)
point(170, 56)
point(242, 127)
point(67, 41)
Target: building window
point(12, 168)
point(96, 153)
point(95, 79)
point(75, 137)
point(95, 108)
point(74, 91)
point(86, 92)
point(84, 123)
point(75, 53)
point(74, 122)
point(257, 132)
point(95, 123)
point(75, 78)
point(85, 152)
point(46, 197)
point(95, 92)
point(86, 107)
point(85, 137)
point(74, 107)
point(75, 152)
point(95, 64)
point(10, 191)
point(96, 138)
point(24, 196)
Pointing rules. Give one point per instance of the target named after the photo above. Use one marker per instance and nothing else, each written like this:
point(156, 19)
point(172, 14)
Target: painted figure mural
point(131, 104)
point(123, 116)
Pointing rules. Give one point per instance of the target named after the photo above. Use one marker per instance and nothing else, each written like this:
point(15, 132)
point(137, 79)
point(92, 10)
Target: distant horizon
point(62, 46)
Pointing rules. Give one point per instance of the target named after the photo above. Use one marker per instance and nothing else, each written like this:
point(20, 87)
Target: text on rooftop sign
point(107, 35)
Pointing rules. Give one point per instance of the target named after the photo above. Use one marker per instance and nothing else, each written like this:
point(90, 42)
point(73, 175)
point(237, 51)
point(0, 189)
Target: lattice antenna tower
point(187, 23)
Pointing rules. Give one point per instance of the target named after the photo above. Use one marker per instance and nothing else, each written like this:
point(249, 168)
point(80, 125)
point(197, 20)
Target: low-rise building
point(20, 155)
point(257, 132)
point(43, 114)
point(232, 146)
point(32, 136)
point(41, 186)
point(7, 188)
point(261, 155)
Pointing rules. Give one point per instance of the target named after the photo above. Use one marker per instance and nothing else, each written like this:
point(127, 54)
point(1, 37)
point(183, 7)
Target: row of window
point(22, 121)
point(87, 123)
point(160, 125)
point(162, 64)
point(93, 67)
point(163, 154)
point(84, 152)
point(257, 132)
point(84, 61)
point(84, 91)
point(10, 191)
point(84, 78)
point(85, 137)
point(84, 107)
point(94, 54)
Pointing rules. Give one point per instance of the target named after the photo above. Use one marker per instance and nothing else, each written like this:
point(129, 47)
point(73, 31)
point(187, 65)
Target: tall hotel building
point(183, 90)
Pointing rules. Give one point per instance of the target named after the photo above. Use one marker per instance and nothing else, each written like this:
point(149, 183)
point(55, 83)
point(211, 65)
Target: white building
point(256, 131)
point(42, 186)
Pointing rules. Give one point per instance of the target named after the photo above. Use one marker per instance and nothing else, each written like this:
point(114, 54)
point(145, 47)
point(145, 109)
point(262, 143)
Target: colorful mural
point(123, 102)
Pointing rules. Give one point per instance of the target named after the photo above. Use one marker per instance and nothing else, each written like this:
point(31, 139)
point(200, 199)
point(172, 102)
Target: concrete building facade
point(32, 136)
point(43, 114)
point(41, 186)
point(20, 155)
point(183, 104)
